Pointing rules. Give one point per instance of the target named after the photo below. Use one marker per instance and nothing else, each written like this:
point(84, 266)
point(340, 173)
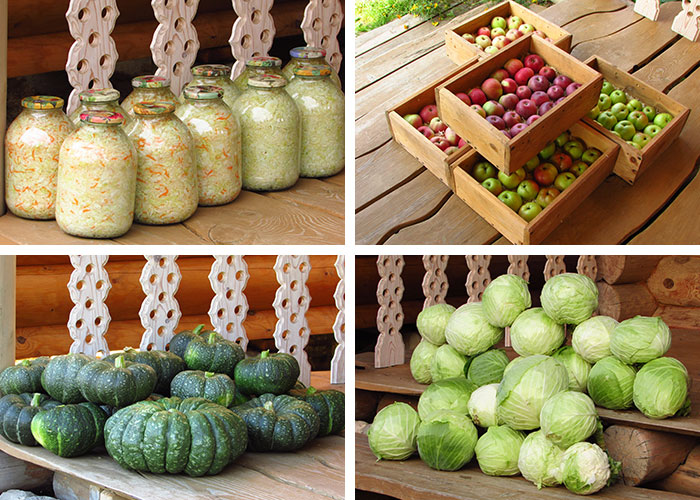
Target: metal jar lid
point(312, 70)
point(264, 62)
point(99, 95)
point(102, 117)
point(267, 81)
point(214, 70)
point(307, 52)
point(203, 92)
point(150, 81)
point(153, 107)
point(42, 102)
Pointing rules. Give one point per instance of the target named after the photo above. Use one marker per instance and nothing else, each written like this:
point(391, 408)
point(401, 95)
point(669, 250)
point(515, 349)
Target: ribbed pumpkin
point(166, 365)
point(330, 406)
point(119, 384)
point(216, 387)
point(180, 341)
point(70, 430)
point(59, 378)
point(25, 376)
point(17, 412)
point(213, 354)
point(194, 436)
point(268, 373)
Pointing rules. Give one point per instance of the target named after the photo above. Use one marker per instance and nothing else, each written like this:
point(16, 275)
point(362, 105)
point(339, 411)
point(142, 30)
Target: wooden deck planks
point(671, 66)
point(599, 25)
point(563, 13)
point(316, 195)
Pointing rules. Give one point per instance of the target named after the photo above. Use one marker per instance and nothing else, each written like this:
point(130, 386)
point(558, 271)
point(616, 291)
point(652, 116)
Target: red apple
point(524, 75)
point(500, 41)
point(428, 113)
point(562, 80)
point(534, 62)
point(496, 32)
point(451, 149)
point(426, 131)
point(538, 83)
point(464, 98)
point(555, 92)
point(526, 108)
point(511, 118)
point(509, 101)
point(546, 196)
point(509, 86)
point(414, 120)
point(532, 119)
point(437, 124)
point(496, 121)
point(512, 66)
point(482, 41)
point(526, 28)
point(507, 133)
point(477, 96)
point(493, 108)
point(528, 189)
point(492, 88)
point(539, 98)
point(479, 110)
point(461, 143)
point(548, 72)
point(539, 33)
point(545, 107)
point(440, 142)
point(562, 161)
point(451, 136)
point(468, 37)
point(513, 34)
point(559, 100)
point(500, 74)
point(517, 128)
point(572, 88)
point(484, 31)
point(523, 92)
point(545, 173)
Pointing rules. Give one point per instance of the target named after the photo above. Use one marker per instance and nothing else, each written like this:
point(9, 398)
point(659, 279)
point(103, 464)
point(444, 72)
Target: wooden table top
point(398, 201)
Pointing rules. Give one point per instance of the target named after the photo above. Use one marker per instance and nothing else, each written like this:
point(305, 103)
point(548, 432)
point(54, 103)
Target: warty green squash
point(180, 341)
point(216, 387)
point(17, 412)
point(268, 373)
point(70, 430)
point(25, 376)
point(59, 378)
point(166, 365)
point(330, 406)
point(213, 354)
point(119, 384)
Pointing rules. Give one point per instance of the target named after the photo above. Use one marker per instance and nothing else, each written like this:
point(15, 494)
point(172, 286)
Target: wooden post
point(625, 301)
point(89, 319)
point(478, 277)
point(390, 349)
point(7, 310)
point(321, 25)
point(648, 8)
point(555, 265)
point(587, 266)
point(228, 278)
point(686, 478)
point(435, 283)
point(160, 312)
point(3, 97)
point(518, 266)
point(687, 22)
point(253, 32)
point(616, 269)
point(338, 361)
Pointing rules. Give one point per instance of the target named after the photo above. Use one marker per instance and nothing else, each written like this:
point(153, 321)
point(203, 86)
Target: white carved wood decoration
point(587, 266)
point(554, 265)
point(160, 312)
point(93, 55)
point(229, 307)
point(648, 8)
point(687, 21)
point(478, 277)
point(175, 44)
point(518, 266)
point(291, 304)
point(89, 319)
point(338, 361)
point(253, 32)
point(389, 350)
point(321, 25)
point(435, 283)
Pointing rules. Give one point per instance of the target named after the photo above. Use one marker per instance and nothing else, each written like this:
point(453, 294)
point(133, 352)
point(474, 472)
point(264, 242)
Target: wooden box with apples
point(508, 20)
point(428, 146)
point(533, 228)
point(645, 120)
point(555, 91)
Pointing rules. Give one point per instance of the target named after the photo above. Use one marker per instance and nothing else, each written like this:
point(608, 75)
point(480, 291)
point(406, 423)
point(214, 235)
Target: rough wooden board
point(31, 232)
point(681, 425)
point(175, 234)
point(671, 65)
point(600, 25)
point(395, 379)
point(563, 13)
point(17, 474)
point(338, 179)
point(364, 42)
point(315, 195)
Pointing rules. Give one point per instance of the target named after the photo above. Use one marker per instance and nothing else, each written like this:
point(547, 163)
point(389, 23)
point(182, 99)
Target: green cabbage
point(449, 394)
point(446, 441)
point(569, 298)
point(585, 468)
point(640, 339)
point(661, 388)
point(568, 417)
point(431, 322)
point(487, 368)
point(577, 367)
point(498, 449)
point(392, 435)
point(422, 360)
point(591, 339)
point(504, 299)
point(610, 383)
point(469, 332)
point(482, 406)
point(539, 460)
point(447, 363)
point(533, 332)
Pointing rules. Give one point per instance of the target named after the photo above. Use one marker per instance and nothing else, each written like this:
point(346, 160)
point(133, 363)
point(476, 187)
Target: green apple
point(593, 114)
point(607, 120)
point(638, 119)
point(607, 87)
point(511, 181)
point(484, 170)
point(604, 102)
point(618, 96)
point(650, 111)
point(532, 164)
point(548, 151)
point(615, 132)
point(634, 144)
point(493, 185)
point(626, 129)
point(499, 22)
point(635, 105)
point(641, 139)
point(662, 119)
point(578, 168)
point(529, 210)
point(562, 139)
point(528, 190)
point(620, 111)
point(651, 130)
point(575, 149)
point(564, 180)
point(511, 199)
point(546, 196)
point(590, 156)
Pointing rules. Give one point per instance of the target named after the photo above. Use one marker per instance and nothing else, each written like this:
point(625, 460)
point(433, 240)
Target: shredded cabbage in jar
point(147, 94)
point(99, 100)
point(295, 62)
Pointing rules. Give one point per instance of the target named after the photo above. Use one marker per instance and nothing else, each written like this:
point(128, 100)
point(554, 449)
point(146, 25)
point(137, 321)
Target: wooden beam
point(7, 311)
point(618, 269)
point(685, 479)
point(625, 301)
point(3, 96)
point(676, 281)
point(18, 474)
point(679, 317)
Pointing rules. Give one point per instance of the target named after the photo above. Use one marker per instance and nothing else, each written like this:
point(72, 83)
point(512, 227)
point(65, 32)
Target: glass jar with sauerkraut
point(260, 65)
point(322, 107)
point(99, 100)
point(309, 55)
point(148, 88)
point(271, 134)
point(216, 75)
point(96, 178)
point(166, 179)
point(32, 145)
point(217, 141)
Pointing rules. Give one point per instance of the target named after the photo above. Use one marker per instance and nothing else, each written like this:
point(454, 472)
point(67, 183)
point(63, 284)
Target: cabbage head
point(446, 441)
point(487, 367)
point(431, 322)
point(469, 332)
point(449, 394)
point(610, 383)
point(392, 435)
point(422, 360)
point(569, 298)
point(661, 388)
point(504, 299)
point(539, 460)
point(640, 339)
point(591, 339)
point(498, 449)
point(577, 367)
point(533, 332)
point(447, 363)
point(585, 468)
point(526, 386)
point(482, 406)
point(568, 417)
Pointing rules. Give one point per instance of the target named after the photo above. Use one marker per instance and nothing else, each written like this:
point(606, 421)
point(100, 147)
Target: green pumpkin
point(268, 373)
point(166, 365)
point(330, 406)
point(119, 384)
point(278, 423)
point(213, 354)
point(180, 341)
point(70, 430)
point(17, 412)
point(25, 376)
point(174, 435)
point(59, 379)
point(216, 387)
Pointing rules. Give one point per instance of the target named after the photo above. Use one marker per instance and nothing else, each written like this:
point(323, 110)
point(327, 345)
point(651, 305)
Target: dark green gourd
point(17, 412)
point(166, 365)
point(213, 354)
point(330, 406)
point(25, 376)
point(180, 341)
point(216, 387)
point(268, 373)
point(70, 430)
point(59, 378)
point(119, 384)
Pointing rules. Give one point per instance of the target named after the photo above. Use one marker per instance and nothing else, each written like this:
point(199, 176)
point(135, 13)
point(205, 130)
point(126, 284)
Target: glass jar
point(96, 178)
point(32, 145)
point(99, 100)
point(148, 88)
point(271, 134)
point(309, 55)
point(217, 141)
point(260, 65)
point(216, 75)
point(322, 107)
point(166, 179)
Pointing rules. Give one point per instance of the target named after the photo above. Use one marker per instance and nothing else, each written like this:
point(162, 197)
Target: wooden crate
point(416, 143)
point(510, 154)
point(508, 222)
point(459, 50)
point(632, 162)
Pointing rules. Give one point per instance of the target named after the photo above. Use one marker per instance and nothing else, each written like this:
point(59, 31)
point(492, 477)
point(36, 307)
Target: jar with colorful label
point(97, 178)
point(166, 179)
point(99, 100)
point(322, 107)
point(32, 145)
point(216, 75)
point(217, 141)
point(309, 55)
point(271, 134)
point(260, 65)
point(148, 88)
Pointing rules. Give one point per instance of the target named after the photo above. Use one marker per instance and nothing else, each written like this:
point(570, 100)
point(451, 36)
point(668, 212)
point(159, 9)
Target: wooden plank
point(314, 194)
point(685, 478)
point(672, 65)
point(369, 40)
point(174, 234)
point(619, 269)
point(337, 180)
point(564, 13)
point(18, 474)
point(394, 379)
point(67, 487)
point(679, 317)
point(625, 301)
point(599, 25)
point(7, 311)
point(675, 281)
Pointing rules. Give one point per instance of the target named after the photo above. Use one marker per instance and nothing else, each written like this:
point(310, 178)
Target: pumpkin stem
point(268, 405)
point(198, 329)
point(119, 362)
point(209, 374)
point(264, 354)
point(129, 349)
point(36, 399)
point(212, 338)
point(311, 391)
point(24, 362)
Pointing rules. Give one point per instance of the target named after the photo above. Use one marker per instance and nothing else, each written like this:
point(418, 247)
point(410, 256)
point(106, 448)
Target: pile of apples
point(501, 32)
point(435, 130)
point(532, 187)
point(519, 93)
point(628, 118)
